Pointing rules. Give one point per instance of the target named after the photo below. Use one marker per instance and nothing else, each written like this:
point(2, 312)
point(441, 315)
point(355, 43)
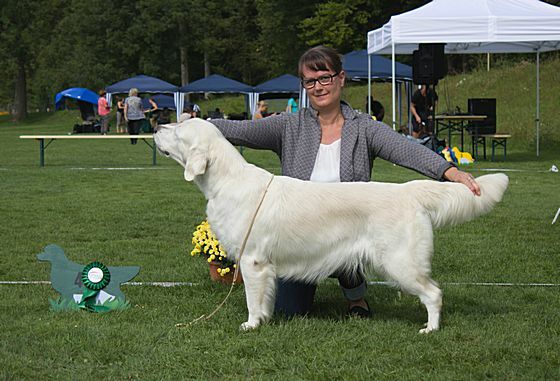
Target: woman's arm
point(391, 146)
point(265, 133)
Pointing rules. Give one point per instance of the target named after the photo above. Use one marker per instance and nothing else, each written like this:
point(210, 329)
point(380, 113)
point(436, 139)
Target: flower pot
point(227, 279)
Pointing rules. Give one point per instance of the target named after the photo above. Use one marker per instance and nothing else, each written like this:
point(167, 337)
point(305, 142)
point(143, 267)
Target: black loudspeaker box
point(429, 64)
point(483, 106)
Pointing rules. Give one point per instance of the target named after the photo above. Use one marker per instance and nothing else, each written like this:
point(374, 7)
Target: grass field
point(144, 215)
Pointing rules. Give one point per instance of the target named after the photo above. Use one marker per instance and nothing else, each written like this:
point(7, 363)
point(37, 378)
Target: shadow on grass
point(391, 305)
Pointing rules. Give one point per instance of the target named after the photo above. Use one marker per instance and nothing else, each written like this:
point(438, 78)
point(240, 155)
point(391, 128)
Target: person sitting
point(164, 116)
point(216, 114)
point(262, 110)
point(377, 109)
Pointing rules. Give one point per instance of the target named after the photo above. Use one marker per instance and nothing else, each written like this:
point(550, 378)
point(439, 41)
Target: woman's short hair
point(133, 92)
point(320, 58)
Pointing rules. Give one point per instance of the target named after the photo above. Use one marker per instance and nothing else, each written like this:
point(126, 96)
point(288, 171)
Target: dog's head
point(188, 143)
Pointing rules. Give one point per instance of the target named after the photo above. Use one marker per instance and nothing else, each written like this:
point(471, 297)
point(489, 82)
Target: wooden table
point(51, 138)
point(455, 123)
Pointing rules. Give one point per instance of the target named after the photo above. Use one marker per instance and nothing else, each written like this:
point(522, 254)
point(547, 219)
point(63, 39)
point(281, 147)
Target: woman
point(120, 116)
point(133, 113)
point(330, 142)
point(262, 111)
point(104, 112)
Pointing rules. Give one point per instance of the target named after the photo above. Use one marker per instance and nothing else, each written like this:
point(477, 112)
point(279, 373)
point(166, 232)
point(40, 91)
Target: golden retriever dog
point(308, 231)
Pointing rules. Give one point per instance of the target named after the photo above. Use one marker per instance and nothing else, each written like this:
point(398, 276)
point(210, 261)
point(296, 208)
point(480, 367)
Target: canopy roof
point(79, 93)
point(216, 84)
point(355, 64)
point(286, 83)
point(144, 84)
point(475, 26)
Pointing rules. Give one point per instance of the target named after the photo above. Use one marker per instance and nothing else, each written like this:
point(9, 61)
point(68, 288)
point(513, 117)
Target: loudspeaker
point(429, 64)
point(483, 106)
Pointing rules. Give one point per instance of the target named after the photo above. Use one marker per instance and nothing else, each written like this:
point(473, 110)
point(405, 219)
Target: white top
point(327, 164)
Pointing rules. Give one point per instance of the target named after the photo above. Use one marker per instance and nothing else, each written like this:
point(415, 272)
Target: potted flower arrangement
point(206, 244)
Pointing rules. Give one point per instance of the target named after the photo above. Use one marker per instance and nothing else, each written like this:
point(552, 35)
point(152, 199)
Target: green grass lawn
point(145, 215)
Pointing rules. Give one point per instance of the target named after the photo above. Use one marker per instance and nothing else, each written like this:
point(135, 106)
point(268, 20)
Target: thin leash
point(236, 273)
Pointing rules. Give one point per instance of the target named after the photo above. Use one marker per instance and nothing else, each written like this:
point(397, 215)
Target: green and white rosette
point(95, 277)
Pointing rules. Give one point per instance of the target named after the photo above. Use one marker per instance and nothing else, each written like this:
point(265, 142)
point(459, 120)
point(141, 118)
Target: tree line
point(49, 45)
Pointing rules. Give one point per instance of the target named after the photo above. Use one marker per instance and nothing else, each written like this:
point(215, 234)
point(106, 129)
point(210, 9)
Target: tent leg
point(537, 119)
point(393, 81)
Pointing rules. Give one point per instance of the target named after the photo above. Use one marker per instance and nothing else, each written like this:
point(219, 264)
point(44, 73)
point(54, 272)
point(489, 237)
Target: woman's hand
point(457, 176)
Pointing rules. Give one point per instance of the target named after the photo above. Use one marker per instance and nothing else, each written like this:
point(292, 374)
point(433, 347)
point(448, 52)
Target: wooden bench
point(498, 140)
point(51, 138)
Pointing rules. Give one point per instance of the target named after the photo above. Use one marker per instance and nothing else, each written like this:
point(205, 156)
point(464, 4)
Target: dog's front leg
point(260, 287)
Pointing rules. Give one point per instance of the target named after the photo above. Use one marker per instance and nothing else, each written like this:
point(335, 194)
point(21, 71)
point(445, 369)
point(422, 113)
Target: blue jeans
point(296, 297)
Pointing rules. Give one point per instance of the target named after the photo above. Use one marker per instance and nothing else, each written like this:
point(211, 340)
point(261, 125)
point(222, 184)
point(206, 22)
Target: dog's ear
point(195, 164)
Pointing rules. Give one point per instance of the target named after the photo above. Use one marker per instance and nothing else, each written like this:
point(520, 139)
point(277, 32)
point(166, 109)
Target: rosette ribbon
point(95, 277)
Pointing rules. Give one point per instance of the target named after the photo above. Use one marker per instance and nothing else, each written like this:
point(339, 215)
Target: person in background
point(262, 110)
point(330, 142)
point(164, 116)
point(196, 111)
point(152, 113)
point(121, 122)
point(292, 106)
point(377, 109)
point(104, 111)
point(424, 102)
point(133, 113)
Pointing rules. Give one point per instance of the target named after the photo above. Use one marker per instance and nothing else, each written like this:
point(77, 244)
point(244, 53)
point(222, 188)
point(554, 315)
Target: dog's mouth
point(163, 152)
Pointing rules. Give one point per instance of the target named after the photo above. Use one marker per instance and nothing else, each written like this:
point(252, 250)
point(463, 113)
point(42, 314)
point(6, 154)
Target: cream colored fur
point(307, 230)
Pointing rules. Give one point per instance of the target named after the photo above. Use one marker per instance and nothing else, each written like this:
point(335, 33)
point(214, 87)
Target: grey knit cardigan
point(296, 139)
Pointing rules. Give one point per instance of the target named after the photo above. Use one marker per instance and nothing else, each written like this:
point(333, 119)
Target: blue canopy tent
point(355, 65)
point(216, 83)
point(286, 84)
point(144, 84)
point(79, 93)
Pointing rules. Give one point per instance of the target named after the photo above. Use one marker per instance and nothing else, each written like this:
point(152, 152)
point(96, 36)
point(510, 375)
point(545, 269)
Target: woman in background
point(133, 113)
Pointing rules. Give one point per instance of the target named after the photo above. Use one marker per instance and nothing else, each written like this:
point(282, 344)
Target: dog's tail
point(451, 204)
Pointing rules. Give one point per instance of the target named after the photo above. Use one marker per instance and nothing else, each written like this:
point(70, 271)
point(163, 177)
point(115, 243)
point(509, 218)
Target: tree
point(19, 32)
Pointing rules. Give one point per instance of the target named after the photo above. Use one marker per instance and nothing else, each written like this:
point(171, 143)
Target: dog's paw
point(247, 326)
point(427, 330)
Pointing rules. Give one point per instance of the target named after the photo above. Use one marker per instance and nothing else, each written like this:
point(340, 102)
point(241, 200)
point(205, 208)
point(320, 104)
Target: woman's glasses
point(323, 80)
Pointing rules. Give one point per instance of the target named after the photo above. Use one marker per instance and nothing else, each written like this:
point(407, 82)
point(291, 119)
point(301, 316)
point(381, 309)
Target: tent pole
point(369, 84)
point(399, 103)
point(538, 120)
point(393, 79)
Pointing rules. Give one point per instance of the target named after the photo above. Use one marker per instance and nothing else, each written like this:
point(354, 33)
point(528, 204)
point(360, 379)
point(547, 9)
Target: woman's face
point(324, 96)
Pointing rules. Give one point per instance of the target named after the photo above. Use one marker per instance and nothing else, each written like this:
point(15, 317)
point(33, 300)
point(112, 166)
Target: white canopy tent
point(475, 26)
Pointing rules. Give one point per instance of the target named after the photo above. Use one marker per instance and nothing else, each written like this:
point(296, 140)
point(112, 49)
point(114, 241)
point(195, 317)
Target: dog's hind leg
point(431, 296)
point(420, 284)
point(260, 288)
point(410, 266)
